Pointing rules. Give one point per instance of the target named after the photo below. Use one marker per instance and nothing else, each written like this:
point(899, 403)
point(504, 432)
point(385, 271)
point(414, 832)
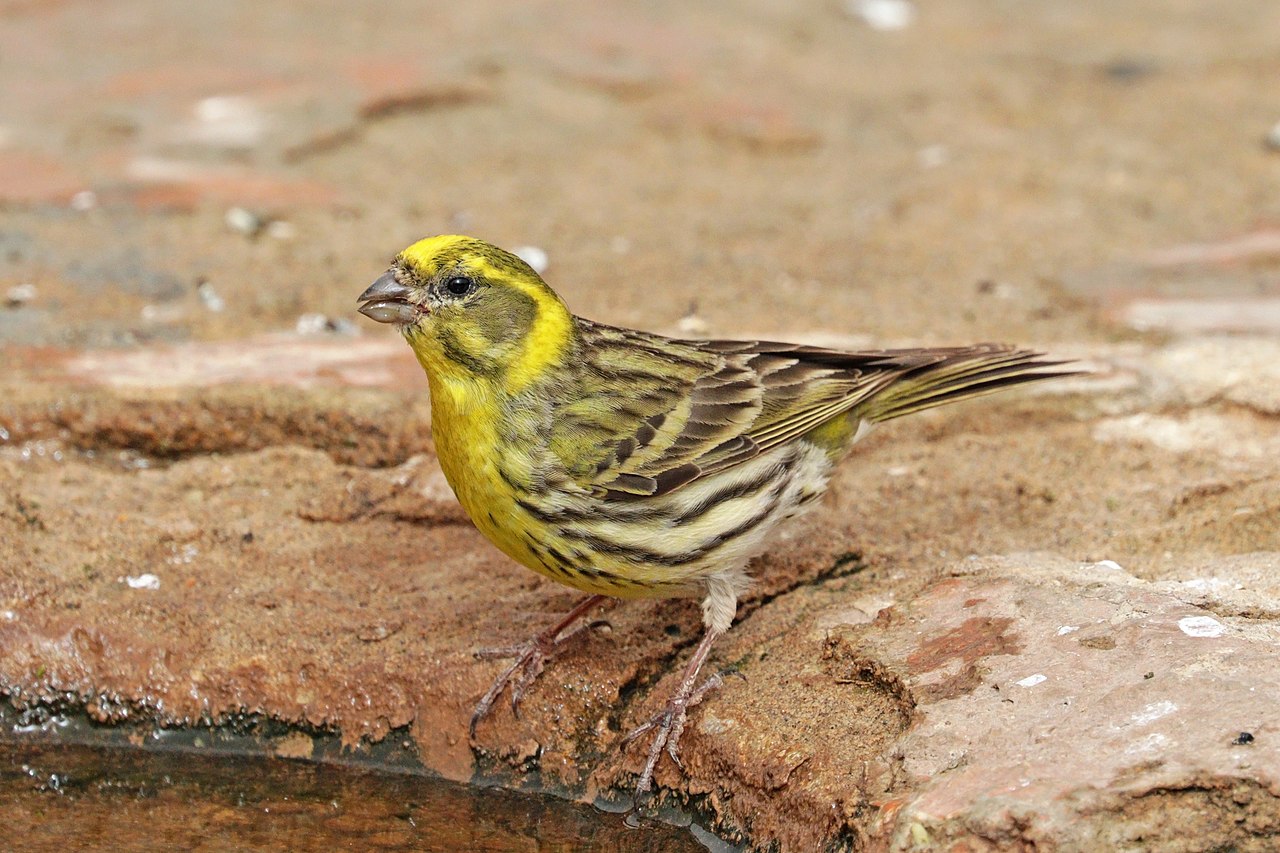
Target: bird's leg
point(530, 658)
point(670, 721)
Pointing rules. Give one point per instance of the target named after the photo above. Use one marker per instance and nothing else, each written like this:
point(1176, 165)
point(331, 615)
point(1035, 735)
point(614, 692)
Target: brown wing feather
point(692, 408)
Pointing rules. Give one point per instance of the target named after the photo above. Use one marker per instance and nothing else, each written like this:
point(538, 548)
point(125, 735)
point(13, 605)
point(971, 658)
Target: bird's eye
point(459, 285)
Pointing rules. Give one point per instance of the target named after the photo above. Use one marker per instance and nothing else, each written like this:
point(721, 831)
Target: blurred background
point(883, 170)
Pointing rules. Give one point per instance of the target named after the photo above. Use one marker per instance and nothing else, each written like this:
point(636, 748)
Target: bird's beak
point(387, 301)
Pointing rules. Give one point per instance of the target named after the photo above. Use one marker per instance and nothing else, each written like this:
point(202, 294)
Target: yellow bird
point(628, 464)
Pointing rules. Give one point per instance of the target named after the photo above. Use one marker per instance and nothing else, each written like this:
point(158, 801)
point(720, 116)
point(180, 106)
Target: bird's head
point(472, 311)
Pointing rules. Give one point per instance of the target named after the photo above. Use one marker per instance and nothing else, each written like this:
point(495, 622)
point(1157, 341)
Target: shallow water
point(71, 797)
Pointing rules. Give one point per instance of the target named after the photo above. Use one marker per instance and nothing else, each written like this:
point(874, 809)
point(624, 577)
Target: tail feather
point(960, 374)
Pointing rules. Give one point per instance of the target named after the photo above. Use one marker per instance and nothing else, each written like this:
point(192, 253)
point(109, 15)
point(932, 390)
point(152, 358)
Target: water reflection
point(65, 797)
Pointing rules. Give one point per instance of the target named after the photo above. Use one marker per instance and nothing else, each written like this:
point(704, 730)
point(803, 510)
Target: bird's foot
point(531, 658)
point(669, 724)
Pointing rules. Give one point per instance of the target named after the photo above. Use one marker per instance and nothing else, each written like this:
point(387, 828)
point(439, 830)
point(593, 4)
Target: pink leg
point(531, 657)
point(670, 721)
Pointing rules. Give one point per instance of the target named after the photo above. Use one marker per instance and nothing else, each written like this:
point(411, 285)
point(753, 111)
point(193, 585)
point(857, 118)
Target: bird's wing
point(657, 413)
point(654, 413)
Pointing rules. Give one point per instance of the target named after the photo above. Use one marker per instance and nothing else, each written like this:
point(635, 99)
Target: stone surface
point(1244, 371)
point(1048, 692)
point(219, 504)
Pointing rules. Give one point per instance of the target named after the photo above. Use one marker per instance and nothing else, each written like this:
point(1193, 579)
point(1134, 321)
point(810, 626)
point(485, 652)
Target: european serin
point(629, 464)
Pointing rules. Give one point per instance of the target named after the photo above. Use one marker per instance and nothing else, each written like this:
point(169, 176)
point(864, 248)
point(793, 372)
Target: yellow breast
point(465, 427)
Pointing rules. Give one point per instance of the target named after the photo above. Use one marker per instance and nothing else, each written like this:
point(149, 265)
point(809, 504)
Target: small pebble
point(322, 324)
point(311, 324)
point(228, 121)
point(534, 257)
point(147, 581)
point(1272, 139)
point(20, 295)
point(883, 15)
point(244, 222)
point(84, 200)
point(1243, 739)
point(210, 297)
point(162, 313)
point(692, 324)
point(218, 108)
point(1201, 626)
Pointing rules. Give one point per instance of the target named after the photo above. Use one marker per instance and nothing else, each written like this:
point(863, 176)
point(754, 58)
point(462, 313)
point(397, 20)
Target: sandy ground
point(218, 496)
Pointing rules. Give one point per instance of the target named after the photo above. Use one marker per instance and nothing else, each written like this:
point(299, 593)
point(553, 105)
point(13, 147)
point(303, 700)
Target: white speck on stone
point(311, 324)
point(84, 200)
point(898, 470)
point(1032, 680)
point(1201, 626)
point(692, 324)
point(713, 725)
point(1150, 743)
point(321, 324)
point(278, 229)
point(1067, 629)
point(534, 257)
point(8, 616)
point(222, 107)
point(210, 297)
point(1004, 290)
point(932, 156)
point(19, 295)
point(146, 581)
point(227, 121)
point(1153, 712)
point(1272, 138)
point(243, 221)
point(1210, 585)
point(883, 15)
point(1112, 565)
point(171, 313)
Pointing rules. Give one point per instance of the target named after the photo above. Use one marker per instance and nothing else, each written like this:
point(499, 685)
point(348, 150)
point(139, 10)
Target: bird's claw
point(531, 659)
point(670, 723)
